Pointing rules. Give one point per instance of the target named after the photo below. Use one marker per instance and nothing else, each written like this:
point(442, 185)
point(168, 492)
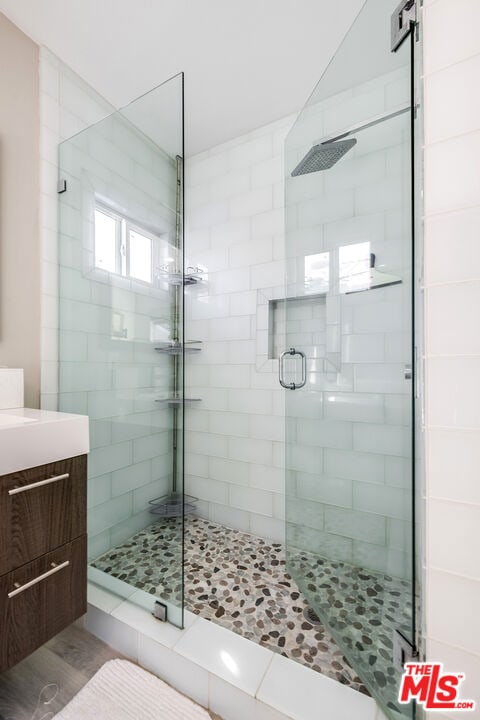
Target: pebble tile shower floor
point(240, 581)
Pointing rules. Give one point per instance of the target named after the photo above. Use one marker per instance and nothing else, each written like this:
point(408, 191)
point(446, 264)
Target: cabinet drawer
point(40, 599)
point(41, 509)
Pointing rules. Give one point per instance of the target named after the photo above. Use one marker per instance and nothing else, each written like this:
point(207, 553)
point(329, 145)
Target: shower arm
point(364, 126)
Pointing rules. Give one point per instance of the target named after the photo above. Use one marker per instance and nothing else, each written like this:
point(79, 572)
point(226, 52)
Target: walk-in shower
point(334, 585)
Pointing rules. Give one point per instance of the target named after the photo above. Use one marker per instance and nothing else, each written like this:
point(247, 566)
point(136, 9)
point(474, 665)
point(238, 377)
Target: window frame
point(124, 225)
point(109, 212)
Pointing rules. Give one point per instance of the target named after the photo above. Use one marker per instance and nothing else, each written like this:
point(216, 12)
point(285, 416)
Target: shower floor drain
point(311, 616)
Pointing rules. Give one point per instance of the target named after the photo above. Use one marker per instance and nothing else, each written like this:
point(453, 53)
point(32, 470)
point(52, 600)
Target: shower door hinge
point(404, 19)
point(403, 650)
point(160, 611)
point(61, 186)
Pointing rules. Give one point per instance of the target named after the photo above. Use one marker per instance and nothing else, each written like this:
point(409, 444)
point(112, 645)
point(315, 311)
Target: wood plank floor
point(42, 684)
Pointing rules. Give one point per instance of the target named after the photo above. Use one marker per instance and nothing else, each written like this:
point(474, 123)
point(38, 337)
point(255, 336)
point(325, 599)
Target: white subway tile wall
point(349, 479)
point(349, 431)
point(452, 276)
point(114, 381)
point(234, 232)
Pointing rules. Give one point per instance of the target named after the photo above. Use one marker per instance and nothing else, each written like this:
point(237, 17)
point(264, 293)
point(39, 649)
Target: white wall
point(452, 281)
point(19, 190)
point(67, 106)
point(235, 231)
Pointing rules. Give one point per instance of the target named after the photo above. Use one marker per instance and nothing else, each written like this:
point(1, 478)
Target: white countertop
point(31, 437)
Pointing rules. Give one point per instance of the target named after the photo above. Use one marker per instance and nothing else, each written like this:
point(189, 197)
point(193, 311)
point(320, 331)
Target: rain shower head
point(323, 156)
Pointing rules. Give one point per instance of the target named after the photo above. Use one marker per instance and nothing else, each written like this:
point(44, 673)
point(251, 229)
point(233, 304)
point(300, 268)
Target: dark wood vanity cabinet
point(43, 555)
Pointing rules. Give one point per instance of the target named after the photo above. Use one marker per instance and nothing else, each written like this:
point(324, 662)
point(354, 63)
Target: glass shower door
point(347, 365)
point(121, 340)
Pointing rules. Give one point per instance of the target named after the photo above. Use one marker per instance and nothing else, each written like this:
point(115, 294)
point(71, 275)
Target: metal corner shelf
point(176, 347)
point(173, 506)
point(178, 278)
point(178, 401)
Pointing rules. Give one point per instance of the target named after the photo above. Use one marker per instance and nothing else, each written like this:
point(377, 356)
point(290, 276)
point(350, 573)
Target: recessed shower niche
point(306, 325)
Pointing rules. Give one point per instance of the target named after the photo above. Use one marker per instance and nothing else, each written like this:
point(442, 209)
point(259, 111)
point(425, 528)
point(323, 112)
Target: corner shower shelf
point(174, 505)
point(176, 348)
point(178, 278)
point(176, 401)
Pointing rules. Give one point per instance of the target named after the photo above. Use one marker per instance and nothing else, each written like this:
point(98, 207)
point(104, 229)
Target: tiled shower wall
point(349, 474)
point(116, 381)
point(452, 279)
point(235, 233)
point(235, 436)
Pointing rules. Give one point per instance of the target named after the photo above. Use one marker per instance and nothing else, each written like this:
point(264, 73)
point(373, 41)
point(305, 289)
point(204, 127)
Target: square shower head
point(323, 156)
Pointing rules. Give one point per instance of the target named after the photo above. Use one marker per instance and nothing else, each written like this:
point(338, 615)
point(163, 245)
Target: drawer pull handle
point(53, 479)
point(55, 569)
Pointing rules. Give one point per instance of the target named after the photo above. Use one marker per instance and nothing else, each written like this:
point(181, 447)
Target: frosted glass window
point(140, 255)
point(354, 267)
point(106, 242)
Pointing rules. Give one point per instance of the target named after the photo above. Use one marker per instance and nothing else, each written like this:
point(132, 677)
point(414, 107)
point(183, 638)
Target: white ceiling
point(246, 62)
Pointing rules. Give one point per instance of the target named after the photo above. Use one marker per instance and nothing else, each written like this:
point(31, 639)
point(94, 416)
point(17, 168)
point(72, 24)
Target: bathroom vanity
point(43, 548)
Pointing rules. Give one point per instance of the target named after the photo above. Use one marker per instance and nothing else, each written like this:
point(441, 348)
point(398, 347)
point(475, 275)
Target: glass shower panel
point(121, 339)
point(349, 477)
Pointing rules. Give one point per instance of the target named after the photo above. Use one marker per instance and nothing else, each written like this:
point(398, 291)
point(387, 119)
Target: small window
point(106, 242)
point(123, 247)
point(317, 273)
point(140, 256)
point(354, 267)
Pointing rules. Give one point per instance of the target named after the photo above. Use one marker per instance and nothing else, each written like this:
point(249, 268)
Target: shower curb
point(251, 681)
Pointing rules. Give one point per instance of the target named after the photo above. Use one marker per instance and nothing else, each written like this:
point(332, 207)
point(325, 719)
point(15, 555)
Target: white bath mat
point(123, 691)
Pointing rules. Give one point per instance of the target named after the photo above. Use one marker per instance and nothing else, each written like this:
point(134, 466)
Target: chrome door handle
point(281, 375)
